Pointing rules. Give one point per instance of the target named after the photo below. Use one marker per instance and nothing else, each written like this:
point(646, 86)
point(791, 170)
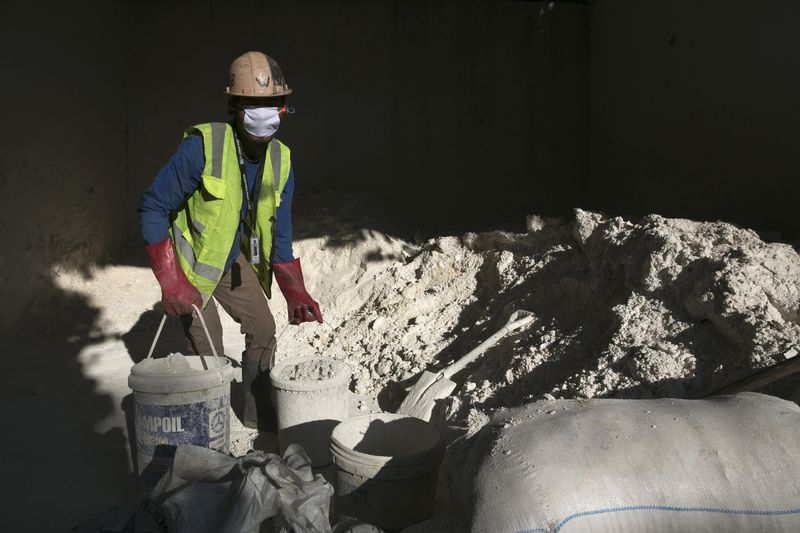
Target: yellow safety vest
point(204, 228)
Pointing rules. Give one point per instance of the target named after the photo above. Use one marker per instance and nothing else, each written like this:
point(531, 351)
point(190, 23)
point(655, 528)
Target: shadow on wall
point(54, 453)
point(343, 219)
point(461, 116)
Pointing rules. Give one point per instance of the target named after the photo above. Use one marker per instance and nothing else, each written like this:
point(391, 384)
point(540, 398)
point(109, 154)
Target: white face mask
point(261, 121)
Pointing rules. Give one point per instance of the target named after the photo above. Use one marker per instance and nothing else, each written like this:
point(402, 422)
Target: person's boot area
point(258, 411)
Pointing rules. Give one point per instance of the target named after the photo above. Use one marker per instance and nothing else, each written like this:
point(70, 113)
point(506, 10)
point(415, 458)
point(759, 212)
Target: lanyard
point(252, 202)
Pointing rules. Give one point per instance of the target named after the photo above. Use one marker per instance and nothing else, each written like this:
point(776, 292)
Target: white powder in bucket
point(171, 364)
point(314, 370)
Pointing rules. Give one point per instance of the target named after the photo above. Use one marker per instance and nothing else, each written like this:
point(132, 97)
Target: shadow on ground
point(57, 454)
point(139, 339)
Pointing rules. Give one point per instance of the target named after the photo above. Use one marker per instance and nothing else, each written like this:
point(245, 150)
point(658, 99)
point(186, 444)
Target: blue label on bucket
point(161, 428)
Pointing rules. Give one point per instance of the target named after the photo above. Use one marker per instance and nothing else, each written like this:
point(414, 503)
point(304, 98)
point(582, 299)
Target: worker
point(217, 223)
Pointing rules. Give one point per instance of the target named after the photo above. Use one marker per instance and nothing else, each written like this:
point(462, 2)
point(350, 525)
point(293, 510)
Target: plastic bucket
point(179, 399)
point(311, 397)
point(191, 406)
point(387, 467)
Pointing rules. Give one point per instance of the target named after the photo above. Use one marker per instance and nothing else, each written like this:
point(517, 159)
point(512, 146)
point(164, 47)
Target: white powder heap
point(648, 308)
point(313, 370)
point(171, 364)
point(658, 307)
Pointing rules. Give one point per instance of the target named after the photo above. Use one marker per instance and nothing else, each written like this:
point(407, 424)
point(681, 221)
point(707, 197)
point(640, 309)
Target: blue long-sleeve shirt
point(182, 176)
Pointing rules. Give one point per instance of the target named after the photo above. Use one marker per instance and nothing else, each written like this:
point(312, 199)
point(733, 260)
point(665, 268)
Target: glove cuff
point(289, 276)
point(162, 257)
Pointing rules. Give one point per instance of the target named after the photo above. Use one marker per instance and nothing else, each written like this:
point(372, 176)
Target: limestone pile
point(649, 308)
point(624, 308)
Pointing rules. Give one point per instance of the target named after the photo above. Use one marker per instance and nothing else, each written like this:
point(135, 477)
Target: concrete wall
point(62, 164)
point(694, 110)
point(460, 113)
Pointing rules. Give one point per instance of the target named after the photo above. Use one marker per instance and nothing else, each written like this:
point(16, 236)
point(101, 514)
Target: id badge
point(255, 255)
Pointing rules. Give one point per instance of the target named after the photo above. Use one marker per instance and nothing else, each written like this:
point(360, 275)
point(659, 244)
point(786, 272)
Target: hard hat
point(256, 74)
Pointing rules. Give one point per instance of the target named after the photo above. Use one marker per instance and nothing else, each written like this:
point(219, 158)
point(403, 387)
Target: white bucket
point(184, 407)
point(179, 399)
point(387, 466)
point(311, 397)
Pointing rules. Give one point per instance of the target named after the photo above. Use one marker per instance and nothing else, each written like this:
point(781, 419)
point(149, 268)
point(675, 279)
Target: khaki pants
point(241, 296)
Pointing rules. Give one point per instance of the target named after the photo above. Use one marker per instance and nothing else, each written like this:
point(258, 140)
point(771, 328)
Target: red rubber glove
point(302, 307)
point(177, 294)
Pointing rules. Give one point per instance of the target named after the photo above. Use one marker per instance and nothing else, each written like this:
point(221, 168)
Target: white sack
point(725, 464)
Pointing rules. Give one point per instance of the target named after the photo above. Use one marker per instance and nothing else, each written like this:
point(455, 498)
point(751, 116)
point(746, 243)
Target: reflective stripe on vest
point(205, 228)
point(275, 159)
point(184, 247)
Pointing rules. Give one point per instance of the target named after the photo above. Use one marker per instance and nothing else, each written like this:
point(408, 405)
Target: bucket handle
point(205, 328)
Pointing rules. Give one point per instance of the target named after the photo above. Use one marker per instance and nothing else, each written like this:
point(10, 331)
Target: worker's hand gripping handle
point(301, 306)
point(177, 294)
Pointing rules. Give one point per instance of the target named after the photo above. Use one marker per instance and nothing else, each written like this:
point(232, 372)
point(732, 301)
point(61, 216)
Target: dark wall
point(462, 114)
point(62, 155)
point(694, 110)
